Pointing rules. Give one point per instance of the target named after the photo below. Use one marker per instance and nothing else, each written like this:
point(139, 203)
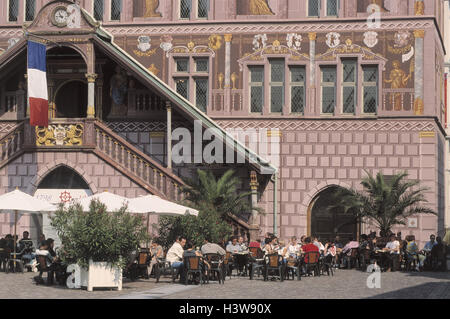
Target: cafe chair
point(311, 261)
point(216, 263)
point(229, 264)
point(193, 266)
point(352, 260)
point(327, 265)
point(15, 264)
point(42, 267)
point(274, 264)
point(256, 261)
point(364, 259)
point(293, 266)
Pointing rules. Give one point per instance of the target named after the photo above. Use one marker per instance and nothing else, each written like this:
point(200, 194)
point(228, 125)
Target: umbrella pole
point(15, 237)
point(148, 222)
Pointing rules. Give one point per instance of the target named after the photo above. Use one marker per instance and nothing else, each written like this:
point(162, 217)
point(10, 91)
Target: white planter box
point(101, 275)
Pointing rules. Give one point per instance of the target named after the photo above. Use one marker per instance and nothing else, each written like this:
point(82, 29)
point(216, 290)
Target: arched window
point(63, 177)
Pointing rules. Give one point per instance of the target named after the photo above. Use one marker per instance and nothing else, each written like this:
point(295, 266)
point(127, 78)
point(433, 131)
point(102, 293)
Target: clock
point(60, 16)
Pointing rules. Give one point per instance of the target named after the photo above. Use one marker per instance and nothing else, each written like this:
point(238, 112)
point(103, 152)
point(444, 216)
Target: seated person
point(211, 248)
point(255, 244)
point(412, 250)
point(347, 250)
point(242, 243)
point(429, 245)
point(270, 247)
point(234, 246)
point(190, 252)
point(26, 244)
point(308, 247)
point(283, 251)
point(391, 260)
point(157, 252)
point(175, 255)
point(318, 244)
point(293, 248)
point(49, 259)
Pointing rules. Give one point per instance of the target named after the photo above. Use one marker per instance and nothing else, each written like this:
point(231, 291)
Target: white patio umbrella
point(112, 201)
point(156, 205)
point(20, 201)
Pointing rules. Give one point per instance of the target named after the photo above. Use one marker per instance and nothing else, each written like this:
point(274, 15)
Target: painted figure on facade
point(260, 7)
point(118, 92)
point(150, 9)
point(398, 80)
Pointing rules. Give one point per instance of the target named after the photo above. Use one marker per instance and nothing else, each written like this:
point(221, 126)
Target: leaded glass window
point(349, 85)
point(332, 7)
point(328, 77)
point(116, 9)
point(297, 89)
point(98, 9)
point(30, 10)
point(182, 87)
point(13, 10)
point(182, 64)
point(185, 9)
point(276, 85)
point(202, 8)
point(370, 88)
point(201, 94)
point(256, 88)
point(201, 65)
point(313, 8)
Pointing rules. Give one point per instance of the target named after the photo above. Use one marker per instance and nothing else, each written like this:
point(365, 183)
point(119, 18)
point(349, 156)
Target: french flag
point(37, 84)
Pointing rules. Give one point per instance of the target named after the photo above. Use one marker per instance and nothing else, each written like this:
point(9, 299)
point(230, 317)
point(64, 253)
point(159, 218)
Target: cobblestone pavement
point(345, 284)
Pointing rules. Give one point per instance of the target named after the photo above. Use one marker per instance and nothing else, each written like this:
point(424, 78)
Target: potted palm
point(98, 241)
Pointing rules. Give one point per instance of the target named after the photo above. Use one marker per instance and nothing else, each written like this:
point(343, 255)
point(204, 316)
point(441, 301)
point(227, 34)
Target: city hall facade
point(337, 92)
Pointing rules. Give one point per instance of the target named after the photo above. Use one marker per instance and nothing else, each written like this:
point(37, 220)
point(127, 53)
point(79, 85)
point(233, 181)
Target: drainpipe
point(275, 202)
point(445, 97)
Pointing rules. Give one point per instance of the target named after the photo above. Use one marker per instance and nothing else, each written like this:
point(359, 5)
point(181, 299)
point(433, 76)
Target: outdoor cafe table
point(241, 258)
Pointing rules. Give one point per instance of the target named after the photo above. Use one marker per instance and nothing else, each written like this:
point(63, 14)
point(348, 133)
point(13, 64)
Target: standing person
point(175, 256)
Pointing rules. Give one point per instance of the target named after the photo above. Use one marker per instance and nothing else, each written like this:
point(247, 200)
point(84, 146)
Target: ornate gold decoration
point(348, 42)
point(215, 42)
point(260, 7)
point(425, 134)
point(220, 77)
point(312, 36)
point(191, 45)
point(144, 54)
point(273, 133)
point(253, 181)
point(233, 80)
point(419, 33)
point(228, 37)
point(153, 69)
point(150, 9)
point(157, 134)
point(419, 8)
point(90, 111)
point(60, 135)
point(399, 50)
point(418, 106)
point(91, 77)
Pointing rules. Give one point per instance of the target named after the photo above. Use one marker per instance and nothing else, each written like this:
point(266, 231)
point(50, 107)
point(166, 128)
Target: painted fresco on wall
point(146, 9)
point(383, 4)
point(254, 7)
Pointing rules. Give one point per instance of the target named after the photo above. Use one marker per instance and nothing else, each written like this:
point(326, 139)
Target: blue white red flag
point(37, 84)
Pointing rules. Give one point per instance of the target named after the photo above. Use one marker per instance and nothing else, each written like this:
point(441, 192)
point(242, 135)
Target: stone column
point(254, 227)
point(91, 77)
point(312, 74)
point(227, 94)
point(169, 134)
point(418, 72)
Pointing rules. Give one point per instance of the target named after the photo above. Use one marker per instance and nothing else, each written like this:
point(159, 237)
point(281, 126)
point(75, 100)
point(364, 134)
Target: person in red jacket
point(309, 247)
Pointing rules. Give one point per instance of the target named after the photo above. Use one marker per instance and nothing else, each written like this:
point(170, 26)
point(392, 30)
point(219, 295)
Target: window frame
point(25, 2)
point(8, 20)
point(179, 10)
point(103, 9)
point(328, 84)
point(208, 6)
point(364, 85)
point(277, 84)
point(292, 84)
point(256, 84)
point(319, 6)
point(354, 84)
point(338, 6)
point(111, 8)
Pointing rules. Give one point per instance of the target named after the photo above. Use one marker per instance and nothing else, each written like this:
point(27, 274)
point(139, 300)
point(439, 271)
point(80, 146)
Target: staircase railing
point(11, 144)
point(144, 169)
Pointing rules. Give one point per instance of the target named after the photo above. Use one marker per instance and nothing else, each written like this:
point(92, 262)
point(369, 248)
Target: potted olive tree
point(98, 241)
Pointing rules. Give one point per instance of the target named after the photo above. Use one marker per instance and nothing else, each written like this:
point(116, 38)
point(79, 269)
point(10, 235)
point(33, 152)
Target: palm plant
point(387, 203)
point(222, 193)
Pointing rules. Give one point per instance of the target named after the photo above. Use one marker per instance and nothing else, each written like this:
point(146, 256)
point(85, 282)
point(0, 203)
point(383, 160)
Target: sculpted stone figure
point(118, 92)
point(260, 7)
point(398, 80)
point(150, 8)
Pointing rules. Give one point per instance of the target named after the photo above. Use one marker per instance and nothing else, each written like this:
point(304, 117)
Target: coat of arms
point(144, 43)
point(401, 39)
point(294, 41)
point(370, 38)
point(259, 42)
point(333, 39)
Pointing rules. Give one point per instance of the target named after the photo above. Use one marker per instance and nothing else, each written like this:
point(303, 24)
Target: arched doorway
point(71, 100)
point(327, 221)
point(63, 184)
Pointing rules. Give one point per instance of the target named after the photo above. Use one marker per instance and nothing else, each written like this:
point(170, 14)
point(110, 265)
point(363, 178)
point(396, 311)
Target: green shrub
point(97, 234)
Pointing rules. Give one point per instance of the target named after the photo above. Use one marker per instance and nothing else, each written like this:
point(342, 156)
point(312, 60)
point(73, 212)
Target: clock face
point(60, 17)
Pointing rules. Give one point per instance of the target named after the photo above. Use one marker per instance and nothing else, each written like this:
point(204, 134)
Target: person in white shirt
point(319, 245)
point(234, 246)
point(392, 253)
point(175, 253)
point(242, 243)
point(293, 247)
